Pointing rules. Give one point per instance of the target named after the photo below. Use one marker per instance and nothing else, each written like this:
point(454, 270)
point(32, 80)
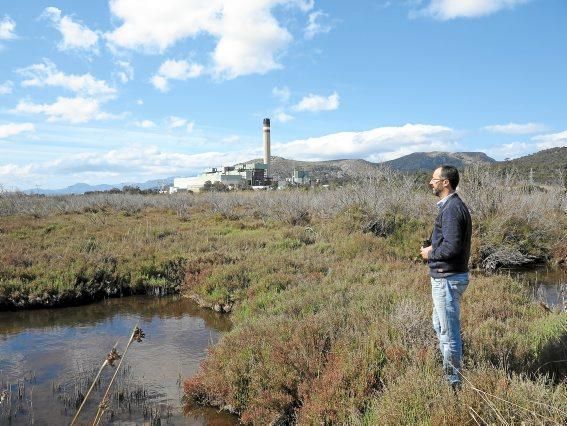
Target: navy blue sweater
point(451, 239)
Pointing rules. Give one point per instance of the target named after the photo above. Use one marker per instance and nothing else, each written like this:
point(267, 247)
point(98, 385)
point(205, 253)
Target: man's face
point(436, 182)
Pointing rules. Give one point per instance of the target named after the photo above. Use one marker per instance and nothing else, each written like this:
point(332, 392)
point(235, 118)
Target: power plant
point(254, 175)
point(266, 129)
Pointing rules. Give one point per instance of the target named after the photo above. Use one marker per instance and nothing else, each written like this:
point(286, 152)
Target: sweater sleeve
point(453, 238)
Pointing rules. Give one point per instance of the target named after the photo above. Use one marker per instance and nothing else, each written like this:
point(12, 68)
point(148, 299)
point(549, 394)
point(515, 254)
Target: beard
point(436, 192)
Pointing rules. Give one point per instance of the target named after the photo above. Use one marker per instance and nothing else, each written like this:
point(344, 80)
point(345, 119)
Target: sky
point(134, 90)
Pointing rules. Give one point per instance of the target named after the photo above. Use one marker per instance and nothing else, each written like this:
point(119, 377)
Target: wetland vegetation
point(329, 301)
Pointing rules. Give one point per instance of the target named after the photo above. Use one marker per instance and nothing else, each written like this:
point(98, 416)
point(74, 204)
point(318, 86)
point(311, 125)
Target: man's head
point(445, 180)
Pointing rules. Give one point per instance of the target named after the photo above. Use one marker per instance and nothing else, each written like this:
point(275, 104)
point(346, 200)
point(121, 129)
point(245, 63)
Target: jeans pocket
point(438, 287)
point(458, 286)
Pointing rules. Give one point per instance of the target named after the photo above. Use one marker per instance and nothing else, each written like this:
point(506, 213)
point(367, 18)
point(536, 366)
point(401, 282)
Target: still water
point(547, 285)
point(48, 357)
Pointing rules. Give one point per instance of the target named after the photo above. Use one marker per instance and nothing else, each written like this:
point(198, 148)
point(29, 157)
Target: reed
point(110, 358)
point(137, 335)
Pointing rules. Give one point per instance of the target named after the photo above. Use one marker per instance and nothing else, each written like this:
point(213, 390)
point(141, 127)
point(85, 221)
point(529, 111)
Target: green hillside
point(547, 166)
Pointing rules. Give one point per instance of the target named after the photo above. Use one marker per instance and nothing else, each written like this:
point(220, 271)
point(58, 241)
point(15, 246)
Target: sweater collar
point(442, 202)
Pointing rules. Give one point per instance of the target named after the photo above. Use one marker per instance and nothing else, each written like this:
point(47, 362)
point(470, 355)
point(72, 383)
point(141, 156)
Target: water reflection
point(53, 354)
point(143, 307)
point(548, 285)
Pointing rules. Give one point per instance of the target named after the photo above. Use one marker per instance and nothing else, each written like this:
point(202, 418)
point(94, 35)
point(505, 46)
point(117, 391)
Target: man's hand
point(425, 252)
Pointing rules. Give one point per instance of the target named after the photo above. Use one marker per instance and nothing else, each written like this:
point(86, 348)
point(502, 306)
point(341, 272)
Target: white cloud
point(303, 5)
point(179, 70)
point(175, 122)
point(510, 150)
point(155, 26)
point(12, 129)
point(379, 144)
point(18, 172)
point(516, 129)
point(76, 36)
point(248, 36)
point(140, 102)
point(451, 9)
point(73, 110)
point(281, 93)
point(145, 124)
point(46, 74)
point(131, 162)
point(160, 83)
point(536, 143)
point(315, 27)
point(318, 103)
point(7, 27)
point(6, 88)
point(231, 139)
point(125, 71)
point(552, 140)
point(282, 117)
point(175, 70)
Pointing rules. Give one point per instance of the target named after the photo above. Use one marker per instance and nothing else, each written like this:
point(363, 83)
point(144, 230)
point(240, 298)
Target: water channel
point(547, 285)
point(48, 356)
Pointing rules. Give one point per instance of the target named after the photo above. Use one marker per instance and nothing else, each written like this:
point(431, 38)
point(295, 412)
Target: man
point(448, 257)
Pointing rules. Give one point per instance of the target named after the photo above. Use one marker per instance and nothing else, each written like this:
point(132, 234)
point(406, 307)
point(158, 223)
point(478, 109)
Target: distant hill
point(427, 161)
point(81, 188)
point(324, 171)
point(78, 188)
point(545, 164)
point(342, 170)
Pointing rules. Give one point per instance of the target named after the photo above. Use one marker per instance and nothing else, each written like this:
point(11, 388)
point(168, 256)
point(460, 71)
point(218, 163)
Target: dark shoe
point(456, 386)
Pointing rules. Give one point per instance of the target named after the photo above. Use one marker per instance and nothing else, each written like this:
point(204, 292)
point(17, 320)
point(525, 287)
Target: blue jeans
point(446, 293)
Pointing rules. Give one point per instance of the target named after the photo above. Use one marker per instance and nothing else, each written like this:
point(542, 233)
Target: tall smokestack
point(267, 145)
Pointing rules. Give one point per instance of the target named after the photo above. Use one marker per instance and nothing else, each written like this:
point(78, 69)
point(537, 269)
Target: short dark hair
point(450, 173)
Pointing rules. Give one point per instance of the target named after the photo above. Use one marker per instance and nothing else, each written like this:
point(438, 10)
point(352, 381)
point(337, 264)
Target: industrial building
point(253, 175)
point(300, 177)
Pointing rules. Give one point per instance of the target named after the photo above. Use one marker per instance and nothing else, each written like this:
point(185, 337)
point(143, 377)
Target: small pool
point(49, 357)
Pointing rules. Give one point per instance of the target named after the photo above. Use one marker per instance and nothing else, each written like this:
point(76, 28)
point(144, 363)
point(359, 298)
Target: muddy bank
point(217, 307)
point(18, 300)
point(86, 293)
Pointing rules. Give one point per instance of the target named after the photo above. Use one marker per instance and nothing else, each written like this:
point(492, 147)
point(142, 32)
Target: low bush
point(513, 242)
point(488, 396)
point(358, 346)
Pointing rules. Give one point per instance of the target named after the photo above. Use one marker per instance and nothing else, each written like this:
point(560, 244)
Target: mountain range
point(81, 188)
point(349, 169)
point(544, 166)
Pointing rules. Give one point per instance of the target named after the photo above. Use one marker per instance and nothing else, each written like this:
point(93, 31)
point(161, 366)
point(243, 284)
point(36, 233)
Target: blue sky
point(131, 90)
